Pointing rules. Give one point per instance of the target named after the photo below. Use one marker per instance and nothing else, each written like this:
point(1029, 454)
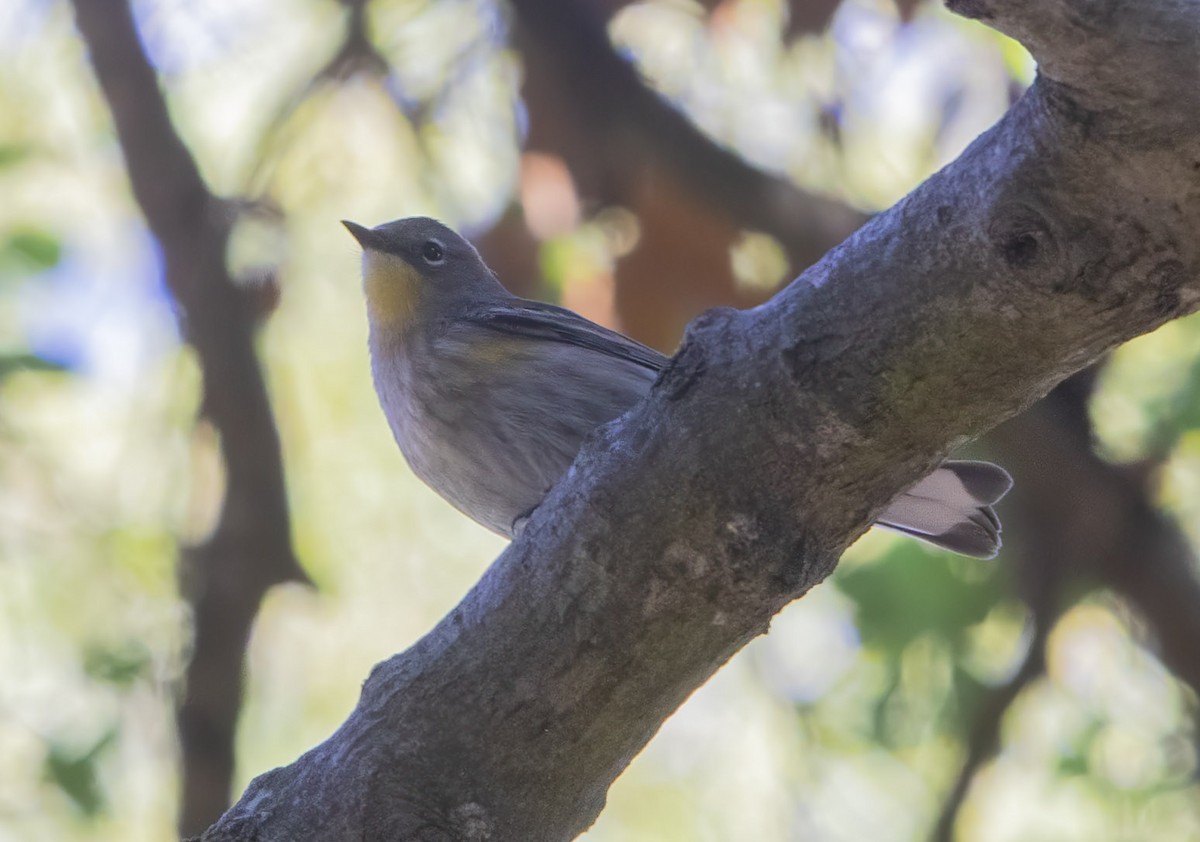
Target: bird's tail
point(952, 508)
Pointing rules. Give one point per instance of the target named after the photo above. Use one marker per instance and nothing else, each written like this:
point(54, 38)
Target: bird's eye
point(432, 252)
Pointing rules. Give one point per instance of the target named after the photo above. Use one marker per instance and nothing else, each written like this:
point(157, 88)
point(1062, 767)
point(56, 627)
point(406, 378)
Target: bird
point(490, 396)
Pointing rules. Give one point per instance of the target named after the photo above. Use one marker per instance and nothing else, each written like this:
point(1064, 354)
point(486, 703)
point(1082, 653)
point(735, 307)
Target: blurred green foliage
point(847, 722)
point(896, 608)
point(29, 251)
point(76, 774)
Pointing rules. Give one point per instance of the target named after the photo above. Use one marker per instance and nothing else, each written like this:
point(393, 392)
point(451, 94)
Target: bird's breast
point(492, 427)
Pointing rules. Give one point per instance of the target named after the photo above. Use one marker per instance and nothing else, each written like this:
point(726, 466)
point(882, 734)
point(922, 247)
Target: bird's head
point(417, 268)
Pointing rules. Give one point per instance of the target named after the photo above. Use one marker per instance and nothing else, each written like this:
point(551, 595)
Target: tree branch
point(1049, 551)
point(766, 447)
point(1082, 520)
point(250, 549)
point(984, 736)
point(622, 123)
point(1096, 523)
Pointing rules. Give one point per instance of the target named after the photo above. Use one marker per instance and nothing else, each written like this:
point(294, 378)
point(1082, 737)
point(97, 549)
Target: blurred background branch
point(621, 138)
point(1079, 522)
point(249, 550)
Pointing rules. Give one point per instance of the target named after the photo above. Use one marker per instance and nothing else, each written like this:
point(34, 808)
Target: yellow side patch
point(496, 350)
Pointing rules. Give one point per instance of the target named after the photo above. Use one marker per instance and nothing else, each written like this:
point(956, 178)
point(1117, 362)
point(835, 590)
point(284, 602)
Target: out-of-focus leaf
point(29, 250)
point(1072, 764)
point(911, 593)
point(13, 153)
point(879, 710)
point(13, 362)
point(1174, 414)
point(121, 665)
point(1075, 755)
point(969, 694)
point(74, 772)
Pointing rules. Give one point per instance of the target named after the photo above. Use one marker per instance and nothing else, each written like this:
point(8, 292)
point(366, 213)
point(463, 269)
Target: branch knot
point(1021, 236)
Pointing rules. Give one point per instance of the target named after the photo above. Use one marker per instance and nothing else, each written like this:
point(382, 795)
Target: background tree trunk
point(250, 550)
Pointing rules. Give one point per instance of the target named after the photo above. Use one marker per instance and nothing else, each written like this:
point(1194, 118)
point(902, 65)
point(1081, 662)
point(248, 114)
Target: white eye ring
point(433, 252)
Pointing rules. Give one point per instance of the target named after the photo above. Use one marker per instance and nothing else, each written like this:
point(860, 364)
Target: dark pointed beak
point(367, 238)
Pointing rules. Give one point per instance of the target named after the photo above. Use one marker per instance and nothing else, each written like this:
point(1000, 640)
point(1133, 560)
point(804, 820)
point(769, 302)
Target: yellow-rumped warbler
point(490, 396)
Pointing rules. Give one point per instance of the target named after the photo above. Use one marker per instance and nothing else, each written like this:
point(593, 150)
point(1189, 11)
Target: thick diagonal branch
point(767, 446)
point(250, 549)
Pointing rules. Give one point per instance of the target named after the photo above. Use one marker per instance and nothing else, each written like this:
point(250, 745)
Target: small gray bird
point(490, 396)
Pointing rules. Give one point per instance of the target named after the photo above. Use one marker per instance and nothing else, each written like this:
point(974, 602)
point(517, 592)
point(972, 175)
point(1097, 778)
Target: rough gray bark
point(771, 441)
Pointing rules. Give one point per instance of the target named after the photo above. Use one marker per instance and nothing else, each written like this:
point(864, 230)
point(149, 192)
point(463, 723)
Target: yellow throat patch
point(392, 288)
